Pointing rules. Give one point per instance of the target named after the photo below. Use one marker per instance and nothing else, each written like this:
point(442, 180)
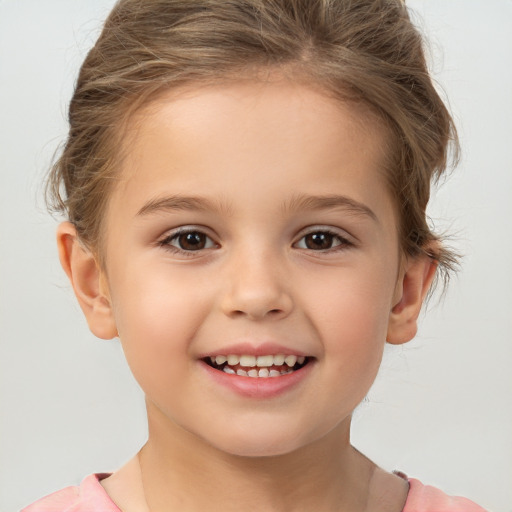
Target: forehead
point(278, 134)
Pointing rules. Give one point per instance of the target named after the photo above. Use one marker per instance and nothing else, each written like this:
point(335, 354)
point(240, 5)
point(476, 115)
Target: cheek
point(157, 315)
point(354, 348)
point(352, 318)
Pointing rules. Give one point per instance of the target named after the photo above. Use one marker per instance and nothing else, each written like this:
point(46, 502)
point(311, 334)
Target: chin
point(273, 443)
point(257, 450)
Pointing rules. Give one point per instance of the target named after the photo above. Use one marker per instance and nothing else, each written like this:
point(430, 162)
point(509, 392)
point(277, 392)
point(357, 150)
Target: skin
point(250, 152)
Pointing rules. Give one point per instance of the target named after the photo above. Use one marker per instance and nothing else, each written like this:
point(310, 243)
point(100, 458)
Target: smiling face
point(252, 232)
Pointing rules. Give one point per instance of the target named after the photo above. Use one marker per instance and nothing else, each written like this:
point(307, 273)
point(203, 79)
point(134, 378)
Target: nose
point(257, 287)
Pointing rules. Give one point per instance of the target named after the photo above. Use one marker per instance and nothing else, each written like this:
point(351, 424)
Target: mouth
point(265, 366)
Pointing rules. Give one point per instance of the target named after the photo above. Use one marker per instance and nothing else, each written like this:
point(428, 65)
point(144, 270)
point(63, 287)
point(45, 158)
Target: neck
point(182, 472)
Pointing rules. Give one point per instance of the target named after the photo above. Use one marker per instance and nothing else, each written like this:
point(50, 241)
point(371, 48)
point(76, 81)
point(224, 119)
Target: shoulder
point(89, 495)
point(425, 498)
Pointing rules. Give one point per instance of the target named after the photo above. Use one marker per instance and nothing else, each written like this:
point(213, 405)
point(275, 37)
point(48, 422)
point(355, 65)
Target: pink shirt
point(91, 497)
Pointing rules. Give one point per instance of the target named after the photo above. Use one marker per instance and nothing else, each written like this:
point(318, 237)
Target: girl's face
point(252, 220)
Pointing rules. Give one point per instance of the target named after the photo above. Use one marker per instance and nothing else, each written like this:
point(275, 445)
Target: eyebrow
point(297, 203)
point(328, 202)
point(181, 203)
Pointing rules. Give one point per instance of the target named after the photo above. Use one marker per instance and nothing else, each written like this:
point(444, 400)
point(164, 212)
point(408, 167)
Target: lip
point(249, 349)
point(258, 387)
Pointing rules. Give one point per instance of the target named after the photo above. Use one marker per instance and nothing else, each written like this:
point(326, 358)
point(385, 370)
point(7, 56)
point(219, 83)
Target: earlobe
point(88, 281)
point(412, 289)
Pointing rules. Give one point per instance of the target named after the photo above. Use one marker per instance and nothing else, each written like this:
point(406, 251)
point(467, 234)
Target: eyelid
point(345, 238)
point(166, 239)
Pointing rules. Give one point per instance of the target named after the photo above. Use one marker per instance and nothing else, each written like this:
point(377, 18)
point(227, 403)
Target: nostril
point(257, 314)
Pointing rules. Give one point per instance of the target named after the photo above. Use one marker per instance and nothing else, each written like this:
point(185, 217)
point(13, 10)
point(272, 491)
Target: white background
point(441, 409)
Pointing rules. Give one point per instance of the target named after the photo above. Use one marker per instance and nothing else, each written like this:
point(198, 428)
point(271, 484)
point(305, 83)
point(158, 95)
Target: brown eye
point(192, 241)
point(319, 241)
point(189, 241)
point(322, 241)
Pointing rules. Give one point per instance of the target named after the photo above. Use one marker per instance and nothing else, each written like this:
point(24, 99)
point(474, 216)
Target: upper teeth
point(261, 361)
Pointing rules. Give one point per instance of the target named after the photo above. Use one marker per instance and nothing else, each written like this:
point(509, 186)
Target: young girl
point(245, 184)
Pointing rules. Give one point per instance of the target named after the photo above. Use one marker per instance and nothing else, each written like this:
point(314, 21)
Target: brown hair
point(367, 50)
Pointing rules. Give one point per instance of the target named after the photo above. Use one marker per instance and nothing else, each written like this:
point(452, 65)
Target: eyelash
point(167, 242)
point(343, 243)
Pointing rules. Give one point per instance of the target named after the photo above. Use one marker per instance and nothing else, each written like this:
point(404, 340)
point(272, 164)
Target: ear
point(88, 281)
point(412, 287)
